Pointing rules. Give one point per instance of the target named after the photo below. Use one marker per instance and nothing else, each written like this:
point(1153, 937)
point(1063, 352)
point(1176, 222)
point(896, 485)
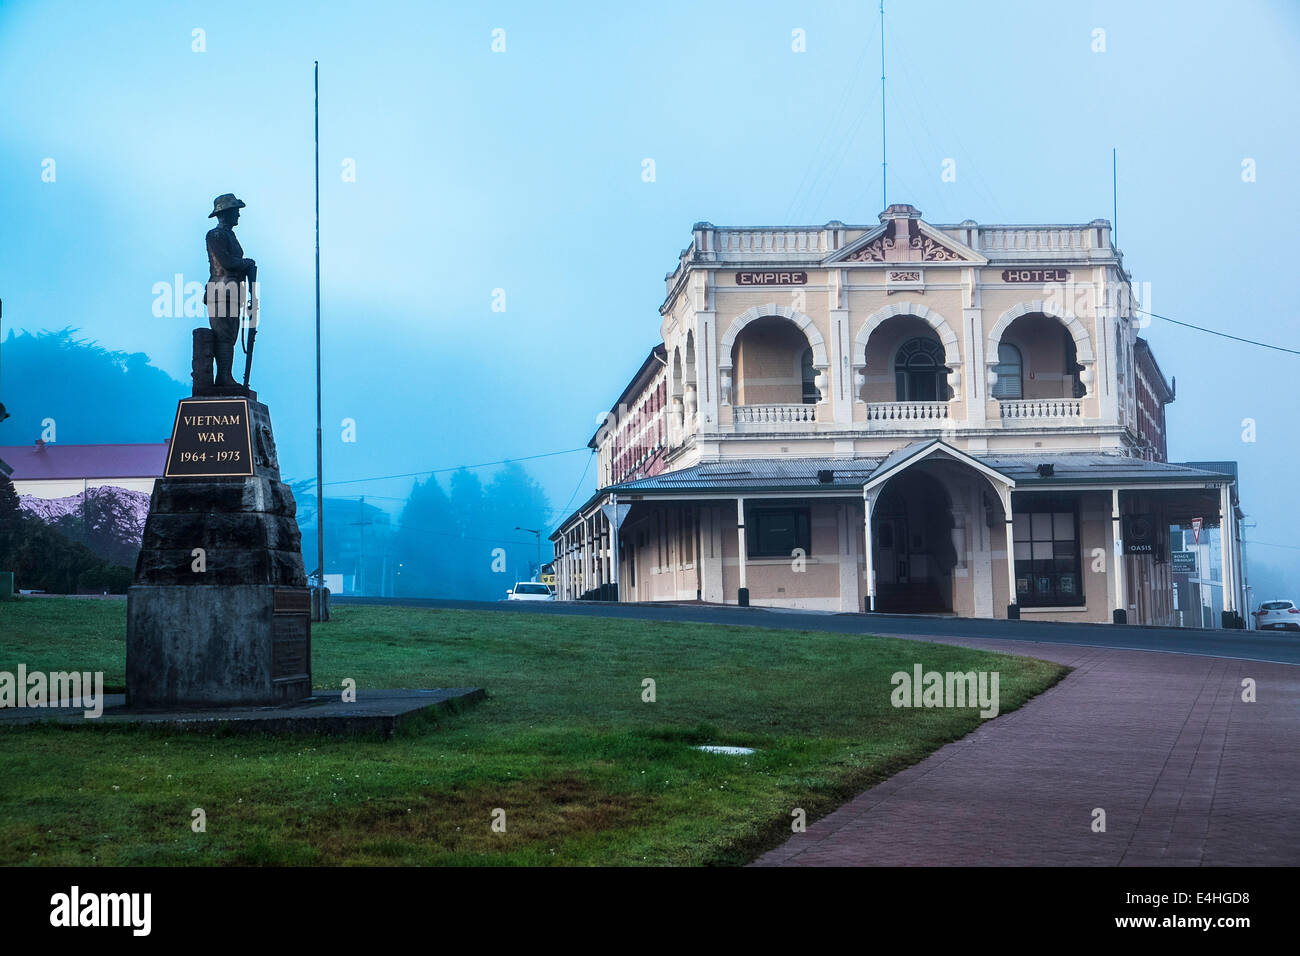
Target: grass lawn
point(586, 772)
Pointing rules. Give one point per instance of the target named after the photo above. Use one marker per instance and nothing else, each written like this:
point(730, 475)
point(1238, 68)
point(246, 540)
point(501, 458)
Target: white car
point(1278, 616)
point(530, 591)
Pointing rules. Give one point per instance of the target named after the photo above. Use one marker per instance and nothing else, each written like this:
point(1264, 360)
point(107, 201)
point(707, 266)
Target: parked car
point(530, 591)
point(1278, 616)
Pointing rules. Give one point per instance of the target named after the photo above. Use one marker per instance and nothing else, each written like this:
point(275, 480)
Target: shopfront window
point(776, 532)
point(1047, 557)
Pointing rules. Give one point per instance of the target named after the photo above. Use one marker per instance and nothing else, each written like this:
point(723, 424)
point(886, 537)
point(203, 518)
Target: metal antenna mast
point(1114, 197)
point(884, 166)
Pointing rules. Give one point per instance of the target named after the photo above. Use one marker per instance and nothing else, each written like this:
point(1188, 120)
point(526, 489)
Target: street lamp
point(1249, 616)
point(538, 534)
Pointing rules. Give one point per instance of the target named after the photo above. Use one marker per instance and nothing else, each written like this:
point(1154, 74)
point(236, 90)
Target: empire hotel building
point(899, 417)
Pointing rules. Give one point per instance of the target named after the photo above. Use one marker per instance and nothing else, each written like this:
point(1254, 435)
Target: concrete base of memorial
point(218, 645)
point(220, 612)
point(378, 712)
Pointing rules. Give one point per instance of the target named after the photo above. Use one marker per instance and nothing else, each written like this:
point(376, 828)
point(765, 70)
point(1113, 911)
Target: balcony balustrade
point(905, 416)
point(908, 414)
point(1040, 409)
point(773, 414)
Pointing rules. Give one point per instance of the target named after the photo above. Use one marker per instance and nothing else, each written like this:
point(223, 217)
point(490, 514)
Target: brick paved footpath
point(1187, 773)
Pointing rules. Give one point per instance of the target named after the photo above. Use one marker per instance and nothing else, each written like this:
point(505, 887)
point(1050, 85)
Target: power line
point(803, 192)
point(570, 451)
point(487, 464)
point(398, 526)
point(438, 471)
point(836, 156)
point(586, 468)
point(1270, 544)
point(457, 534)
point(1235, 338)
point(927, 104)
point(368, 495)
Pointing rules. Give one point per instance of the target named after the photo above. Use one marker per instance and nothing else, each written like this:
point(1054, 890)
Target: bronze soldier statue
point(227, 268)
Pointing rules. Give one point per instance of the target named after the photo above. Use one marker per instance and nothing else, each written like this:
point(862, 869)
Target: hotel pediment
point(903, 237)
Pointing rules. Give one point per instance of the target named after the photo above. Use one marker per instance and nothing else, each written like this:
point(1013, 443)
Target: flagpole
point(320, 470)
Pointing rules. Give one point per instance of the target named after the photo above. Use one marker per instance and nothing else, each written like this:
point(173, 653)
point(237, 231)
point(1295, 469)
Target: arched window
point(1010, 373)
point(919, 372)
point(811, 394)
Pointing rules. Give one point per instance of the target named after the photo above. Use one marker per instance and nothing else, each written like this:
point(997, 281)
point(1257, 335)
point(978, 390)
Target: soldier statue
point(224, 294)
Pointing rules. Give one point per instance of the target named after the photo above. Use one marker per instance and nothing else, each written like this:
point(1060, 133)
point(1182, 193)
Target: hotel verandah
point(861, 417)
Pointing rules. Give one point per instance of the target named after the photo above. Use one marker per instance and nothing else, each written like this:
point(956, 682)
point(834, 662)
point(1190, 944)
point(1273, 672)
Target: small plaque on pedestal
point(210, 439)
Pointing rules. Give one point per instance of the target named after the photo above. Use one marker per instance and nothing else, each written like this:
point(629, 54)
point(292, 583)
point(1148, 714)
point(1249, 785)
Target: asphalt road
point(1282, 647)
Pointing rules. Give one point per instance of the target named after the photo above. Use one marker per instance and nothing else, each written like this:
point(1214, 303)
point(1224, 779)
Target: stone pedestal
point(219, 613)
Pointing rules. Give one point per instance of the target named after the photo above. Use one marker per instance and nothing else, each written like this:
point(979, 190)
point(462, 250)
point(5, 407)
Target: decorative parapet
point(1089, 241)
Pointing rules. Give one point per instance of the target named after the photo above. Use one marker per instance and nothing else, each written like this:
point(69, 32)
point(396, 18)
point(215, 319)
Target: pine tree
point(9, 503)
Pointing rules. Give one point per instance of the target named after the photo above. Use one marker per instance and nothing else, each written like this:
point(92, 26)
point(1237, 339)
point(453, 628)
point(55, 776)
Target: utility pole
point(361, 545)
point(320, 469)
point(538, 534)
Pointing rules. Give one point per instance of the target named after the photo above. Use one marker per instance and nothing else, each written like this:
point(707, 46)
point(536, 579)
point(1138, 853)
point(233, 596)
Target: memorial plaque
point(210, 439)
point(291, 634)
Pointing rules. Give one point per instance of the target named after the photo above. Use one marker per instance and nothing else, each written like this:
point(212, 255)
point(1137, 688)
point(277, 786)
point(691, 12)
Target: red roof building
point(53, 470)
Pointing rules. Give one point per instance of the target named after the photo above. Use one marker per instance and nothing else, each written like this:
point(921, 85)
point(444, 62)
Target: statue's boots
point(224, 353)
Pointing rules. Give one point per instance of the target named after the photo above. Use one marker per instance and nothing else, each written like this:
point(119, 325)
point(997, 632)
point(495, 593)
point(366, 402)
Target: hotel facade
point(901, 417)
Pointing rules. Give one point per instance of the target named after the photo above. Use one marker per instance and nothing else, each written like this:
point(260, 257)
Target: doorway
point(912, 549)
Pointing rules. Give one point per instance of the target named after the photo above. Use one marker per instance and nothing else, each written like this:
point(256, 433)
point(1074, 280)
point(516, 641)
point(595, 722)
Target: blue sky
point(522, 170)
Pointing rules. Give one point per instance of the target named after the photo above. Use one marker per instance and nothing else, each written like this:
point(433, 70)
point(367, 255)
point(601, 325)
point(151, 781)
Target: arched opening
point(1037, 358)
point(676, 392)
point(912, 547)
point(773, 362)
point(904, 360)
